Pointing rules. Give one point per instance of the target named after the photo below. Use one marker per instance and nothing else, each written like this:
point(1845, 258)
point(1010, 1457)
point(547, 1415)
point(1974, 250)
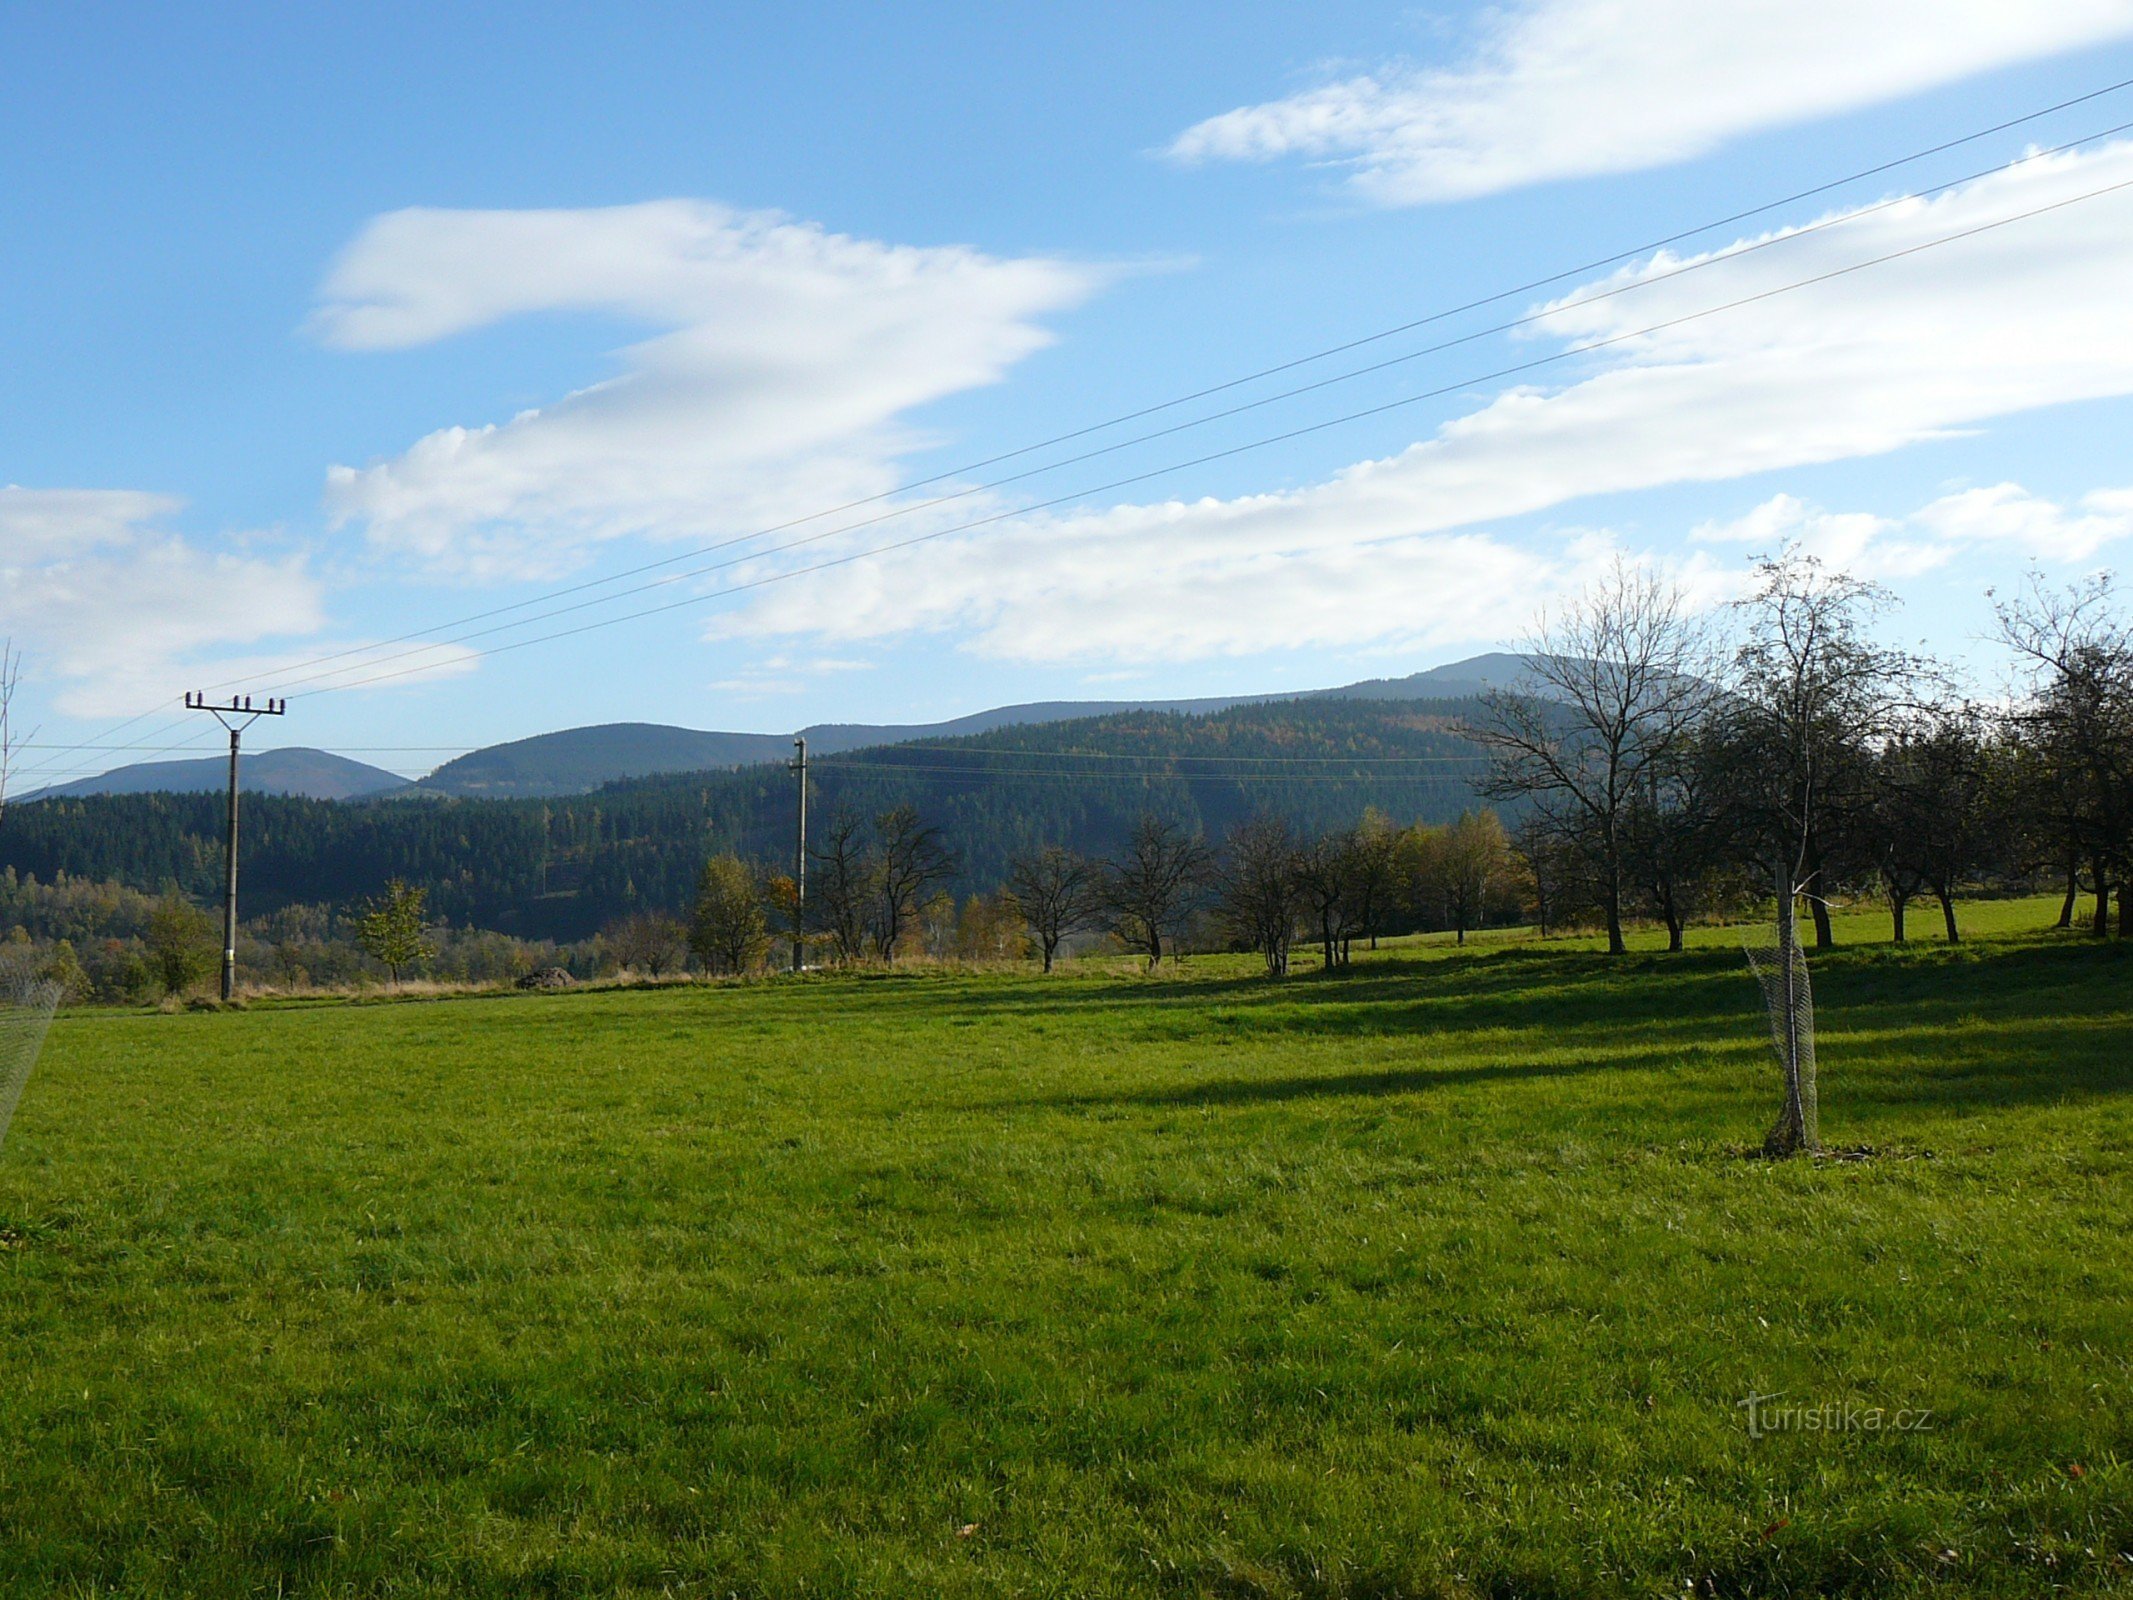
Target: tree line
point(876, 891)
point(562, 869)
point(1664, 761)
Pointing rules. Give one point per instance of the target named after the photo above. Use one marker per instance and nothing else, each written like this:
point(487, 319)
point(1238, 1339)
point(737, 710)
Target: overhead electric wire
point(1514, 370)
point(1120, 419)
point(1291, 364)
point(899, 512)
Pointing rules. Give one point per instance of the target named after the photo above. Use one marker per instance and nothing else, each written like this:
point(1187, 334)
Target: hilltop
point(574, 761)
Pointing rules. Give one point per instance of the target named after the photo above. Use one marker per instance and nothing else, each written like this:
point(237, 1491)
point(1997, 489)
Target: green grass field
point(1446, 1276)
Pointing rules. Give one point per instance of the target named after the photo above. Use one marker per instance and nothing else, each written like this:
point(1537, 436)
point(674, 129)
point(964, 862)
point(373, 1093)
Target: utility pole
point(237, 716)
point(798, 767)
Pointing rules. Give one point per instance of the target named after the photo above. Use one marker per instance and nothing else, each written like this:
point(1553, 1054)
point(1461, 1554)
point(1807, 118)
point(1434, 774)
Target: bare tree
point(1811, 698)
point(1260, 887)
point(1933, 820)
point(1154, 886)
point(1055, 891)
point(841, 883)
point(2077, 724)
point(1617, 686)
point(649, 942)
point(11, 741)
point(1328, 876)
point(910, 859)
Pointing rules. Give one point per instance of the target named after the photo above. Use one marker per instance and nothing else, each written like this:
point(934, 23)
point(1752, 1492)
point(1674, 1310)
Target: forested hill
point(559, 868)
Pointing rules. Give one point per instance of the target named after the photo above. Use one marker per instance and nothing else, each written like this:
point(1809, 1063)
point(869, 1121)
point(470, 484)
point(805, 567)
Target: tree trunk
point(2125, 911)
point(1947, 914)
point(1673, 929)
point(2073, 894)
point(1050, 945)
point(1825, 935)
point(1616, 944)
point(2103, 902)
point(1897, 903)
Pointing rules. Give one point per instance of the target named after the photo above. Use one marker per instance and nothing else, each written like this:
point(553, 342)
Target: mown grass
point(1443, 1277)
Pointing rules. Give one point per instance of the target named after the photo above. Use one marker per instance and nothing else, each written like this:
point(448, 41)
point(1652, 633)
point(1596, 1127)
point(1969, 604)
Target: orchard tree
point(1056, 892)
point(1152, 889)
point(2076, 724)
point(1810, 698)
point(1617, 684)
point(1934, 820)
point(1260, 895)
point(911, 862)
point(1466, 864)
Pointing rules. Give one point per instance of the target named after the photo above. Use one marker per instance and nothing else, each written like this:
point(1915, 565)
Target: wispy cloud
point(117, 613)
point(1557, 89)
point(1395, 550)
point(788, 359)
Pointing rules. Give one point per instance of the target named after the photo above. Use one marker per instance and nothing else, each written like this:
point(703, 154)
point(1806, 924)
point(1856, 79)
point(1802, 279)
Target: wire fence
point(26, 1006)
point(1780, 966)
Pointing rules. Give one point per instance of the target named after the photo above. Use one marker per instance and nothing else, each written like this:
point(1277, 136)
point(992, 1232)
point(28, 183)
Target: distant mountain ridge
point(294, 770)
point(578, 760)
point(574, 761)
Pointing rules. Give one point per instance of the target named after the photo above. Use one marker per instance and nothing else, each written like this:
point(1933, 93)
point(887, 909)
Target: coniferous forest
point(561, 868)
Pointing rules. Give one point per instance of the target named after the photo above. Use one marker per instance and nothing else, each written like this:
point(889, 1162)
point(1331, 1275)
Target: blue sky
point(319, 326)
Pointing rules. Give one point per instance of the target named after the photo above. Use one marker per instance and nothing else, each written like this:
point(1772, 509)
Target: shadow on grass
point(2006, 1024)
point(1340, 1085)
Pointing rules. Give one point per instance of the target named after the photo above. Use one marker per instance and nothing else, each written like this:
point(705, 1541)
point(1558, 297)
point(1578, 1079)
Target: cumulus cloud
point(785, 359)
point(2003, 519)
point(1572, 88)
point(1393, 550)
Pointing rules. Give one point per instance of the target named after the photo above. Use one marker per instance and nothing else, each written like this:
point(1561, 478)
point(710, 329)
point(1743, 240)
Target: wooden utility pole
point(237, 716)
point(798, 765)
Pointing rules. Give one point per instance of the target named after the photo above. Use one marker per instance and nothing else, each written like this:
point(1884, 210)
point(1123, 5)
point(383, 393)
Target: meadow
point(1446, 1276)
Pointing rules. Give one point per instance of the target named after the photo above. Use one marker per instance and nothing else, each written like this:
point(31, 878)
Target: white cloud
point(1919, 349)
point(40, 524)
point(2004, 519)
point(781, 674)
point(115, 613)
point(1572, 88)
point(2010, 517)
point(787, 358)
point(118, 609)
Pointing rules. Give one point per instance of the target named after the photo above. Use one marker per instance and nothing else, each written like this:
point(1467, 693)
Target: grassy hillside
point(1445, 1277)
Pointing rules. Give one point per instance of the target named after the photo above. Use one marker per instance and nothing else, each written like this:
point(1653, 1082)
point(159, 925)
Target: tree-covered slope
point(561, 867)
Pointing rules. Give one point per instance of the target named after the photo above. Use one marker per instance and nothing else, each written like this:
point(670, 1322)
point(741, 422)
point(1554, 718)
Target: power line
point(899, 512)
point(1514, 370)
point(1326, 353)
point(1292, 364)
point(1289, 365)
